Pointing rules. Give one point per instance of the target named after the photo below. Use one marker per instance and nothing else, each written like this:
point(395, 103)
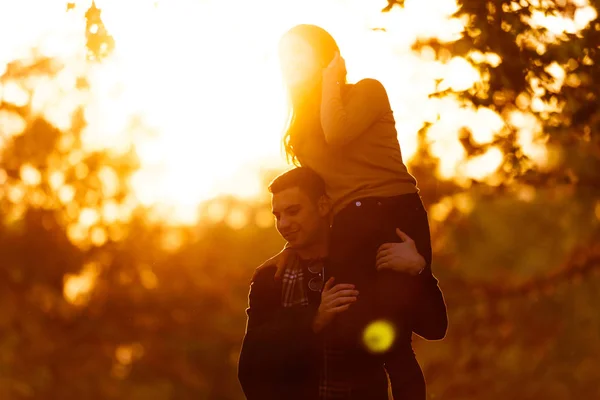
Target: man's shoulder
point(264, 287)
point(264, 275)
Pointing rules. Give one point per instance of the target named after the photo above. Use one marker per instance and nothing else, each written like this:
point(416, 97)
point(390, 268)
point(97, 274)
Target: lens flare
point(196, 89)
point(379, 336)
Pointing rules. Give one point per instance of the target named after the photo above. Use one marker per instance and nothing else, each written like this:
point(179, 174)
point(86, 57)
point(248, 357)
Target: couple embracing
point(358, 252)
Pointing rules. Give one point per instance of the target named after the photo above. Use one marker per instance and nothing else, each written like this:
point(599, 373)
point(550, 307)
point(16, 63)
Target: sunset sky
point(195, 85)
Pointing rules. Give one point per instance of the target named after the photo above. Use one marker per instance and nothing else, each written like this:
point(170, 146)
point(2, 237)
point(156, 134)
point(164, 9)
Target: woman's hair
point(325, 48)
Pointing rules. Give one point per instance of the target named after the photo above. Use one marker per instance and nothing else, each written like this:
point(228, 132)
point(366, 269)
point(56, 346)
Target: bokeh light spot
point(110, 211)
point(76, 233)
point(440, 211)
point(237, 219)
point(16, 193)
point(76, 288)
point(66, 194)
point(11, 124)
point(216, 211)
point(88, 217)
point(148, 278)
point(264, 219)
point(98, 236)
point(172, 240)
point(56, 179)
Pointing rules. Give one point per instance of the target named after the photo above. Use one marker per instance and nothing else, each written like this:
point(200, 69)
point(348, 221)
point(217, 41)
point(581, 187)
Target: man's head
point(300, 206)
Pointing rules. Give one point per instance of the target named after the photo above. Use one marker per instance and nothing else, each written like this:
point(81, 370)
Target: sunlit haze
point(195, 85)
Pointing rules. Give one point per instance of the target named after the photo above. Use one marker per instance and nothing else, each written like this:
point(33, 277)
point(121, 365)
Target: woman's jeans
point(357, 232)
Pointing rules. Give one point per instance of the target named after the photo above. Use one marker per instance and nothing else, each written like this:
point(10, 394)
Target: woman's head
point(304, 51)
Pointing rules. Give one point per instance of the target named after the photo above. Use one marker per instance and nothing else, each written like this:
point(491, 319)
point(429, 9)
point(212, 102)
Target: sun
point(195, 86)
point(207, 81)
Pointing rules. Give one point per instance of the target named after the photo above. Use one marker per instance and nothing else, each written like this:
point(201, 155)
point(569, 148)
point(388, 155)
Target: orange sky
point(204, 83)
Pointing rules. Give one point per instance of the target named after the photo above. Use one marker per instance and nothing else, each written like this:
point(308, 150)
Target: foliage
point(518, 254)
point(97, 301)
point(529, 68)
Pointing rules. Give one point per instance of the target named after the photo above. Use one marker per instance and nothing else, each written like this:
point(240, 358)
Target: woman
point(346, 133)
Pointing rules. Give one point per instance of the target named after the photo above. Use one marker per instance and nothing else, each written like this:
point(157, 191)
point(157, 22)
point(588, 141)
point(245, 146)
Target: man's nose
point(284, 223)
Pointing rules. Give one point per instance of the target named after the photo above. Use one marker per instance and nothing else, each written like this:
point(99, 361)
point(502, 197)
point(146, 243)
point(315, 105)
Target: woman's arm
point(343, 122)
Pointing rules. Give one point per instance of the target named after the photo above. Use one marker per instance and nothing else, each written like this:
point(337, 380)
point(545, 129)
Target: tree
point(518, 247)
point(97, 301)
point(528, 68)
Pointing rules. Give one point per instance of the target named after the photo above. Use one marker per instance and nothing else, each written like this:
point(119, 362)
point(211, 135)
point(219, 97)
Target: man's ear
point(324, 205)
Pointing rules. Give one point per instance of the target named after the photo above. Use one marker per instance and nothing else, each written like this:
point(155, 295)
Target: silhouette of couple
point(335, 310)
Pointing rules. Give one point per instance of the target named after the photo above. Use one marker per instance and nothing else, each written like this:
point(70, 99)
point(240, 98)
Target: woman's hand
point(280, 260)
point(401, 257)
point(334, 300)
point(335, 72)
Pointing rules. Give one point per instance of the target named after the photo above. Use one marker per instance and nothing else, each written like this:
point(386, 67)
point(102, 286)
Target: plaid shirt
point(330, 387)
point(294, 293)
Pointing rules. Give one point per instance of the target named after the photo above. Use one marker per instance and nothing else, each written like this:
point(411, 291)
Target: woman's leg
point(419, 298)
point(406, 378)
point(357, 233)
point(399, 293)
point(352, 260)
point(396, 291)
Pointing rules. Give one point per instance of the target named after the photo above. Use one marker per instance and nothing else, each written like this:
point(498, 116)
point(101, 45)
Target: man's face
point(300, 220)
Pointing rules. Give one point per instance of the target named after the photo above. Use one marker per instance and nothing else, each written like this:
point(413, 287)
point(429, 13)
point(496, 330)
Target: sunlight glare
point(15, 94)
point(442, 209)
point(30, 176)
point(558, 24)
point(479, 167)
point(11, 124)
point(213, 107)
point(195, 90)
point(447, 148)
point(484, 125)
point(461, 75)
point(530, 136)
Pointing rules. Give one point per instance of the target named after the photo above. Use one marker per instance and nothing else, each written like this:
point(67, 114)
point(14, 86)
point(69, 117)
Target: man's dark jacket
point(280, 354)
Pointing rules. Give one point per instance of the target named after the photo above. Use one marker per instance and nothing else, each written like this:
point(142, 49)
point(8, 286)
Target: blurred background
point(137, 138)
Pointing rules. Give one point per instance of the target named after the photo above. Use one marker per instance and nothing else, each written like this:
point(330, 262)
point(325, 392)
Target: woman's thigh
point(355, 237)
point(408, 215)
point(357, 233)
point(359, 230)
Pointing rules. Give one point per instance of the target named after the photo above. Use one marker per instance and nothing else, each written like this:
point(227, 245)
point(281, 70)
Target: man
point(283, 351)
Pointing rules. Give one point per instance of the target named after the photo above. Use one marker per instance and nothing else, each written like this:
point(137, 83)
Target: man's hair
point(301, 177)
